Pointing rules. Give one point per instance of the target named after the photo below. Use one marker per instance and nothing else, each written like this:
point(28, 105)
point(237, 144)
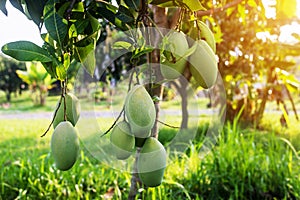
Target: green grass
point(24, 103)
point(245, 164)
point(271, 123)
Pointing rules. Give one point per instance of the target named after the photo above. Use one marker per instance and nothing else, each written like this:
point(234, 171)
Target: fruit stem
point(115, 122)
point(130, 81)
point(63, 94)
point(198, 28)
point(177, 27)
point(59, 103)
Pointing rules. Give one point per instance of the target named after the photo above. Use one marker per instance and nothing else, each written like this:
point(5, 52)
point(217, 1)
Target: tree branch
point(135, 180)
point(56, 110)
point(168, 125)
point(115, 122)
point(217, 10)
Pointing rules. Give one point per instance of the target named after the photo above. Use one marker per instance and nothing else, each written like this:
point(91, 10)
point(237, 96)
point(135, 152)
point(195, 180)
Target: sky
point(18, 27)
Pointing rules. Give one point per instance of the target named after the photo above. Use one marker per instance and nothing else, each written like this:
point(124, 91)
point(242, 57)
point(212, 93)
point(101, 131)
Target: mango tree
point(9, 80)
point(38, 80)
point(72, 32)
point(254, 63)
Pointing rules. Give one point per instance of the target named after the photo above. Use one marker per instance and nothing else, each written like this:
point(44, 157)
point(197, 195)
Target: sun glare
point(298, 8)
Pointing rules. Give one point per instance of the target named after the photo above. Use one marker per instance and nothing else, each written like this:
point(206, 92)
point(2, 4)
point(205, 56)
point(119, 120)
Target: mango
point(72, 110)
point(122, 140)
point(203, 65)
point(64, 145)
point(140, 111)
point(207, 35)
point(172, 62)
point(152, 162)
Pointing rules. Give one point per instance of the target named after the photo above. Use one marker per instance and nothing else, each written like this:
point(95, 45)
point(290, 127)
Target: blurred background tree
point(9, 80)
point(255, 63)
point(39, 81)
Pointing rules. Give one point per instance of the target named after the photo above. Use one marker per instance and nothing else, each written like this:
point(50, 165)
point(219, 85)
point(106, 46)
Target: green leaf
point(139, 52)
point(3, 7)
point(67, 61)
point(189, 52)
point(35, 9)
point(125, 15)
point(86, 56)
point(24, 76)
point(90, 63)
point(81, 52)
point(50, 68)
point(56, 26)
point(81, 25)
point(135, 4)
point(164, 3)
point(108, 12)
point(122, 45)
point(61, 72)
point(193, 5)
point(26, 51)
point(18, 5)
point(95, 26)
point(63, 8)
point(78, 7)
point(73, 31)
point(88, 39)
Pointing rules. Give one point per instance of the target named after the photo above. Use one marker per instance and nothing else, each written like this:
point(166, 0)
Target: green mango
point(64, 145)
point(72, 110)
point(203, 65)
point(172, 63)
point(152, 162)
point(207, 35)
point(122, 140)
point(140, 111)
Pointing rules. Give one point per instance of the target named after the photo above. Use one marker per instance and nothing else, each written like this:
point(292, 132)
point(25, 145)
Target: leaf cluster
point(72, 33)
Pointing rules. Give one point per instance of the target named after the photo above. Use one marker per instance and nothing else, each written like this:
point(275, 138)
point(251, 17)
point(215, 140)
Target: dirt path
point(86, 114)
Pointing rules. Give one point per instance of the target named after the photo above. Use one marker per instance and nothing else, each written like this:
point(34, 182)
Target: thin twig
point(155, 26)
point(115, 122)
point(69, 11)
point(198, 28)
point(130, 80)
point(123, 109)
point(219, 9)
point(53, 118)
point(55, 112)
point(180, 19)
point(64, 97)
point(167, 124)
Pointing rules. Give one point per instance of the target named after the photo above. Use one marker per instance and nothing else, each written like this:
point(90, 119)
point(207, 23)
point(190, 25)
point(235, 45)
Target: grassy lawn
point(245, 164)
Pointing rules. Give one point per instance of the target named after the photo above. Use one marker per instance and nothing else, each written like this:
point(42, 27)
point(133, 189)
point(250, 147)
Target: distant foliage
point(9, 80)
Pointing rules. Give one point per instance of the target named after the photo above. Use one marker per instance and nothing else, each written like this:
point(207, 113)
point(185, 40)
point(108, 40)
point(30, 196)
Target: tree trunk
point(184, 105)
point(259, 114)
point(182, 90)
point(8, 96)
point(160, 19)
point(135, 180)
point(42, 99)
